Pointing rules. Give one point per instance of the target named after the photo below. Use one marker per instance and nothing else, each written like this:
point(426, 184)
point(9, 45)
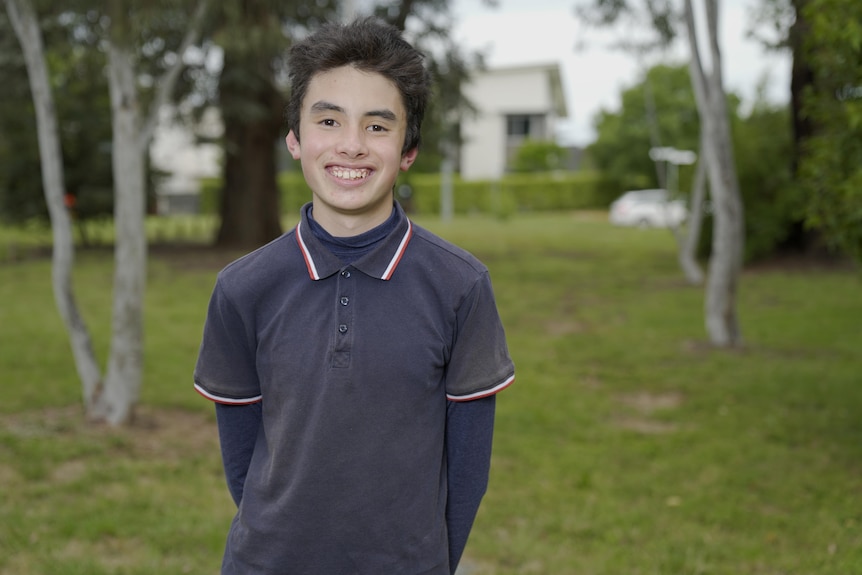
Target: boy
point(354, 360)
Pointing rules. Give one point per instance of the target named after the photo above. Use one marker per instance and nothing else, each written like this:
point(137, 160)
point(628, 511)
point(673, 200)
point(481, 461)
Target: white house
point(176, 151)
point(513, 104)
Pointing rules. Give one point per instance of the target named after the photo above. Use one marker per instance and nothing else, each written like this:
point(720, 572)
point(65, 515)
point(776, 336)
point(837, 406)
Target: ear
point(293, 145)
point(408, 158)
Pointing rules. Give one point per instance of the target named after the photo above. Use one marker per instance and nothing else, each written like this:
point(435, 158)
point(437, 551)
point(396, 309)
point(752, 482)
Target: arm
point(469, 435)
point(238, 426)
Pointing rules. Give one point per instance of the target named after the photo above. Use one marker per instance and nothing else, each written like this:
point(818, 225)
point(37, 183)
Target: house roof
point(550, 69)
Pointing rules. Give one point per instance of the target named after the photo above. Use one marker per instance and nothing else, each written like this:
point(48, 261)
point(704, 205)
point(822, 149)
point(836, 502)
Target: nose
point(352, 143)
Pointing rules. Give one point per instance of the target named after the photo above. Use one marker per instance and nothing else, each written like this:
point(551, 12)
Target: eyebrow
point(385, 114)
point(324, 106)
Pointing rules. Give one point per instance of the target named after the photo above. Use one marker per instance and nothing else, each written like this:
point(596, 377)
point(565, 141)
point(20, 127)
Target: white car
point(648, 209)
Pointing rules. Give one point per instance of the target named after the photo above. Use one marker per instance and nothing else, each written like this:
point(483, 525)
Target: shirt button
point(342, 328)
point(345, 274)
point(345, 300)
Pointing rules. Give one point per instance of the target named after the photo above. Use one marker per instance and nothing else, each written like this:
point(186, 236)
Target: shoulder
point(262, 266)
point(435, 249)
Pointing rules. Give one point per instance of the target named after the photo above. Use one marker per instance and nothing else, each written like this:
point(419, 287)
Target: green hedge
point(294, 193)
point(518, 192)
point(512, 193)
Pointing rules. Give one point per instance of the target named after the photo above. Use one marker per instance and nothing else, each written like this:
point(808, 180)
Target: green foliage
point(831, 166)
point(624, 138)
point(20, 185)
point(73, 36)
point(773, 203)
point(539, 156)
point(84, 110)
point(762, 149)
point(626, 445)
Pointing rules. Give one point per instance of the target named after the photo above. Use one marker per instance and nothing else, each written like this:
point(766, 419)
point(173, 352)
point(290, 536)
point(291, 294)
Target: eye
point(377, 128)
point(328, 122)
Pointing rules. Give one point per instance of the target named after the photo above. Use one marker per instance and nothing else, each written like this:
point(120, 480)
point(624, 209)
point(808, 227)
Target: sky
point(594, 74)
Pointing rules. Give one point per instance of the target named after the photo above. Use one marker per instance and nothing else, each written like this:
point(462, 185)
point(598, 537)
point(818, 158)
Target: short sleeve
point(226, 369)
point(479, 364)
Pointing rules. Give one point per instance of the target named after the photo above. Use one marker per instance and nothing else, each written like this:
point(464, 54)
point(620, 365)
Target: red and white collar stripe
point(390, 269)
point(309, 262)
point(387, 273)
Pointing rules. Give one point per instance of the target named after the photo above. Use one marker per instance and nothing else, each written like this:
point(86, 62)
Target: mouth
point(349, 174)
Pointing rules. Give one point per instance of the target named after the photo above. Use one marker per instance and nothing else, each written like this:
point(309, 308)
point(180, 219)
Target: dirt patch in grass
point(644, 426)
point(648, 403)
point(174, 432)
point(153, 431)
point(641, 406)
point(563, 327)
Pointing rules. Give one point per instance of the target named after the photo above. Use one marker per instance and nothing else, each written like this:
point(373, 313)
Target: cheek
point(311, 148)
point(392, 155)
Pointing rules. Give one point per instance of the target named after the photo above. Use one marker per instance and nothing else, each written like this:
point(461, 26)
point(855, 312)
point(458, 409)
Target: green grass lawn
point(627, 446)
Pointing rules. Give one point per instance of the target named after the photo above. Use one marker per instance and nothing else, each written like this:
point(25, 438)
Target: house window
point(520, 127)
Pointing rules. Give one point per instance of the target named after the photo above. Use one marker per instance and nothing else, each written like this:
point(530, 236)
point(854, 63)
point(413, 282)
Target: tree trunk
point(728, 224)
point(132, 133)
point(800, 237)
point(687, 254)
point(252, 110)
point(654, 132)
point(113, 399)
point(801, 78)
point(26, 26)
point(116, 400)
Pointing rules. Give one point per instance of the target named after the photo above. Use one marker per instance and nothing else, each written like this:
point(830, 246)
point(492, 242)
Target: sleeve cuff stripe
point(483, 393)
point(227, 400)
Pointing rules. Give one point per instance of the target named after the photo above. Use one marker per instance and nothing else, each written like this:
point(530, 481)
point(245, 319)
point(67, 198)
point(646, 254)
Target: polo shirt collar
point(379, 263)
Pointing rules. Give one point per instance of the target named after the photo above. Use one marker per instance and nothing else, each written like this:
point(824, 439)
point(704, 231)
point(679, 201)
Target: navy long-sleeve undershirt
point(469, 437)
point(238, 426)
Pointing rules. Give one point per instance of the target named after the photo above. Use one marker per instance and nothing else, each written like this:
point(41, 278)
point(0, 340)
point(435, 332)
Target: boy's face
point(352, 125)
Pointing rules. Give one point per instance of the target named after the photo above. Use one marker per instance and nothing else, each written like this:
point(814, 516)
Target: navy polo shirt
point(353, 365)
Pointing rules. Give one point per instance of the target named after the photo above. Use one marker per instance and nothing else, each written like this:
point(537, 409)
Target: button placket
point(344, 319)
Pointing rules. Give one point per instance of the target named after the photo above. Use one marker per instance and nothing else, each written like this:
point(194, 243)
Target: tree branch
point(400, 21)
point(698, 78)
point(165, 86)
point(715, 49)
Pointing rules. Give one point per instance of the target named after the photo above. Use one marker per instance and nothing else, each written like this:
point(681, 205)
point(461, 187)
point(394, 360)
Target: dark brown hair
point(369, 45)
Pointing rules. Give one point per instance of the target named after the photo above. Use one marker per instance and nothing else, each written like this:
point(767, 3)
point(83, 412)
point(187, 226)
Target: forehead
point(354, 91)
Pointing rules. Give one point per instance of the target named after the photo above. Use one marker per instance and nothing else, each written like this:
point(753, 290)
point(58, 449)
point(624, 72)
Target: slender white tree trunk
point(687, 247)
point(125, 364)
point(132, 133)
point(725, 264)
point(26, 26)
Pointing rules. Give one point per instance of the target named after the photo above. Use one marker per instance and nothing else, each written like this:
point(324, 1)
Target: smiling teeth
point(349, 174)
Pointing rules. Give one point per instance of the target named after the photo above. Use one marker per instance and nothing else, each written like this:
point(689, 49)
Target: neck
point(342, 225)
